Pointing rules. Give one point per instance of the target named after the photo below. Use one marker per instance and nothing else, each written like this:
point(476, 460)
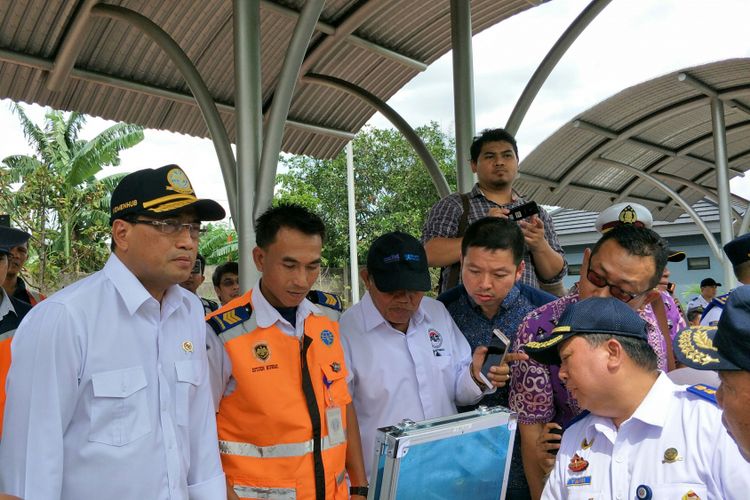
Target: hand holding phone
point(496, 351)
point(524, 211)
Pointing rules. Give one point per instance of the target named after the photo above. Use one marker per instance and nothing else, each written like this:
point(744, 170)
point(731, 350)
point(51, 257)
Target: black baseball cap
point(725, 346)
point(397, 261)
point(675, 255)
point(593, 315)
point(11, 237)
point(709, 282)
point(160, 192)
point(738, 250)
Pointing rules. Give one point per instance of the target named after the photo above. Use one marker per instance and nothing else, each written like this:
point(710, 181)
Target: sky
point(631, 41)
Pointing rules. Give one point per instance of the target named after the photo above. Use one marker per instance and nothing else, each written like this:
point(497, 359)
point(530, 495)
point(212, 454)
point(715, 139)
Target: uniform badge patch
point(578, 464)
point(178, 181)
point(327, 337)
point(261, 351)
point(336, 367)
point(671, 455)
point(579, 481)
point(435, 338)
point(187, 346)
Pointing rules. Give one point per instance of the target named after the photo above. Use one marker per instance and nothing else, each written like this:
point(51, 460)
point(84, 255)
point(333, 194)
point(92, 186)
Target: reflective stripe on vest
point(265, 493)
point(276, 451)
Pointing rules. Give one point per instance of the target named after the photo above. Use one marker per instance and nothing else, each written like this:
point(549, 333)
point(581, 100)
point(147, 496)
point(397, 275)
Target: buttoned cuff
point(214, 488)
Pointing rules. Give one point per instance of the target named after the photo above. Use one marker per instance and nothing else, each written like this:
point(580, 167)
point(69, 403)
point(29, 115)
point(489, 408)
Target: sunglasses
point(617, 292)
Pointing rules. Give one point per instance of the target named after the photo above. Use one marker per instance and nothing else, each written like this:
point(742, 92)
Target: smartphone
point(559, 432)
point(524, 211)
point(671, 286)
point(495, 351)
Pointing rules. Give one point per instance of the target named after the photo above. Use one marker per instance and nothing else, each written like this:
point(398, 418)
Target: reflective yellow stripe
point(265, 493)
point(274, 451)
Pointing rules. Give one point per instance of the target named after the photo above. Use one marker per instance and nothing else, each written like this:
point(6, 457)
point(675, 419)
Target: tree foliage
point(392, 186)
point(219, 244)
point(54, 195)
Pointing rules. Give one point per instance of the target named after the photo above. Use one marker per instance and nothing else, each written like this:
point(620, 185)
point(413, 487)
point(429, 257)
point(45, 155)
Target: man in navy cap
point(725, 348)
point(738, 252)
point(642, 436)
point(708, 292)
point(12, 310)
point(108, 393)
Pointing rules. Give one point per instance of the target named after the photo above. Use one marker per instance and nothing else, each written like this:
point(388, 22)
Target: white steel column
point(463, 90)
point(353, 259)
point(722, 182)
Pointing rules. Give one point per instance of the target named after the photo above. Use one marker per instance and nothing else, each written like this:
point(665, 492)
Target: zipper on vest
point(314, 412)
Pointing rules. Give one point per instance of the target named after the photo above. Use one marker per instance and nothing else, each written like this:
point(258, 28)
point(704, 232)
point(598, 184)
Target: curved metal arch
point(641, 124)
point(198, 87)
point(662, 186)
point(549, 62)
point(707, 192)
point(438, 179)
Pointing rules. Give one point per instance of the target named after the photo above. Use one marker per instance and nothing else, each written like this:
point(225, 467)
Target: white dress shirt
point(708, 462)
point(6, 307)
point(108, 396)
point(419, 375)
point(698, 301)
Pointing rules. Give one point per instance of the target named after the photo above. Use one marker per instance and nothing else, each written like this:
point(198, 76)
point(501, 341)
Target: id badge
point(335, 425)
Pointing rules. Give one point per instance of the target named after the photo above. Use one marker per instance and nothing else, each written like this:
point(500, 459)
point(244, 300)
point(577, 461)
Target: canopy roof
point(122, 75)
point(662, 127)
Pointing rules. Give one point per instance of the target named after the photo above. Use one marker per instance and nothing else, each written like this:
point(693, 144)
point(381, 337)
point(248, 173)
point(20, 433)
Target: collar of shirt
point(505, 305)
point(5, 304)
point(266, 315)
point(372, 317)
point(515, 198)
point(134, 294)
point(652, 410)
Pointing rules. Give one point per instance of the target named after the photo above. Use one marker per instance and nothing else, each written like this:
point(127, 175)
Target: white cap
point(624, 213)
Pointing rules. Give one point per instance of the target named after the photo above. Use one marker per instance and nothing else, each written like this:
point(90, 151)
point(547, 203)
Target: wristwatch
point(358, 490)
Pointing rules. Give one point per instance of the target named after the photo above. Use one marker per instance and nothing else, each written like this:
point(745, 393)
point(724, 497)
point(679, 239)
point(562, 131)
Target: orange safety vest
point(273, 431)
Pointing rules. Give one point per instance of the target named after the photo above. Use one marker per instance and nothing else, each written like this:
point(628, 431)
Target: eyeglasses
point(172, 227)
point(615, 290)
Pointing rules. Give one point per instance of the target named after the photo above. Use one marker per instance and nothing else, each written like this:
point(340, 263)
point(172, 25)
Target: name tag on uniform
point(579, 481)
point(335, 426)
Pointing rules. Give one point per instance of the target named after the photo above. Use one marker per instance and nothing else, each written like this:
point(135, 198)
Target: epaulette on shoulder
point(578, 418)
point(325, 299)
point(722, 299)
point(225, 320)
point(703, 391)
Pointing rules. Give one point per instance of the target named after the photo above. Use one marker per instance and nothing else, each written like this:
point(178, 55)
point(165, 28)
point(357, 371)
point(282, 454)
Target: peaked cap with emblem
point(160, 192)
point(722, 347)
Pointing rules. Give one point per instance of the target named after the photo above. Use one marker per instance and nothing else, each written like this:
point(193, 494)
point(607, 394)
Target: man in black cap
point(110, 374)
point(726, 349)
point(12, 310)
point(643, 436)
point(406, 356)
point(738, 253)
point(708, 292)
point(13, 284)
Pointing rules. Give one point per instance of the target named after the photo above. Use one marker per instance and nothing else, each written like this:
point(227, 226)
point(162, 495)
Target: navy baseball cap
point(725, 346)
point(160, 192)
point(11, 237)
point(593, 315)
point(738, 250)
point(397, 261)
point(709, 282)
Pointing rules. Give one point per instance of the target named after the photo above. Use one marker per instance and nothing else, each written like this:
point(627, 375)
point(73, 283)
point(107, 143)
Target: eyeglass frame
point(599, 278)
point(175, 227)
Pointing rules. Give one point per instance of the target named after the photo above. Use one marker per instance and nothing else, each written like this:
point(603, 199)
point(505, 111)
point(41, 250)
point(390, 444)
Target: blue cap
point(593, 315)
point(722, 347)
point(11, 237)
point(397, 261)
point(738, 250)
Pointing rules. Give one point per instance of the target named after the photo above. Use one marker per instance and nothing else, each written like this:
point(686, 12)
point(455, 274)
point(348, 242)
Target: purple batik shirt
point(536, 392)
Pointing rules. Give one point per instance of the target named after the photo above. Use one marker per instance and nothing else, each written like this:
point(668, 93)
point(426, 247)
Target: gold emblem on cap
point(693, 339)
point(178, 181)
point(187, 346)
point(671, 456)
point(628, 215)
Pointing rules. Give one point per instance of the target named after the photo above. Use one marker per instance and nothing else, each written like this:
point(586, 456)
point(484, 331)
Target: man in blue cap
point(738, 253)
point(642, 436)
point(12, 310)
point(725, 348)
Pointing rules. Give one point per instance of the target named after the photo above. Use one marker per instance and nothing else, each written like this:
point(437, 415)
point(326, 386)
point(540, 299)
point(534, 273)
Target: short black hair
point(287, 215)
point(491, 135)
point(638, 350)
point(202, 260)
point(639, 241)
point(225, 268)
point(495, 233)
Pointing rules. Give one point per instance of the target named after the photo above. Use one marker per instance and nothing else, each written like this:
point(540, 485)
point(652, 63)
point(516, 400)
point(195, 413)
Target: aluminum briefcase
point(464, 456)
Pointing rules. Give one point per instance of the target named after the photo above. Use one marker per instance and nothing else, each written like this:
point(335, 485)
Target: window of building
point(697, 263)
point(574, 269)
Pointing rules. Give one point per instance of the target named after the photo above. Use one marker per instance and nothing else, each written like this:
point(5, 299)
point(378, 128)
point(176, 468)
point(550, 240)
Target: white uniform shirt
point(621, 460)
point(6, 307)
point(392, 376)
point(698, 301)
point(108, 396)
point(711, 318)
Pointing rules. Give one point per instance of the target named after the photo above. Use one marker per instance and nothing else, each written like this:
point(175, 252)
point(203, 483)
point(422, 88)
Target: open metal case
point(464, 456)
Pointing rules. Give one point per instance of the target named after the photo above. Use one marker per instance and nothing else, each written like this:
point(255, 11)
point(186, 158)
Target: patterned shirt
point(442, 222)
point(536, 392)
point(477, 329)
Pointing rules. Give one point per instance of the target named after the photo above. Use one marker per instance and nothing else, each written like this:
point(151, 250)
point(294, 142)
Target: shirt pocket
point(337, 393)
point(586, 494)
point(678, 491)
point(188, 378)
point(119, 409)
